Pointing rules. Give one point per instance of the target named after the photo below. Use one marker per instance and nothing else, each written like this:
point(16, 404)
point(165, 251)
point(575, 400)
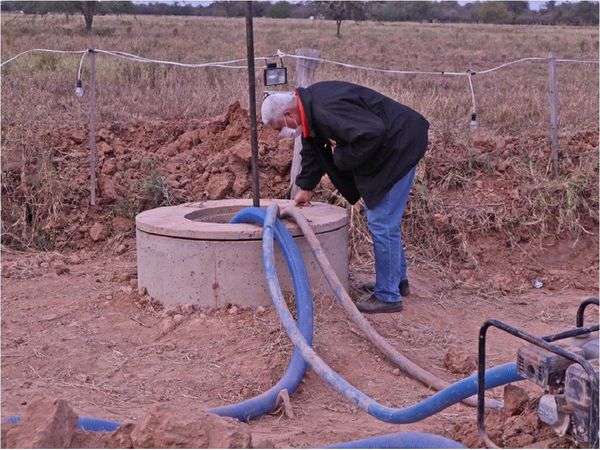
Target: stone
point(142, 291)
point(396, 372)
point(122, 225)
point(188, 309)
point(109, 167)
point(515, 399)
point(73, 259)
point(60, 268)
point(108, 190)
point(47, 423)
point(79, 136)
point(241, 152)
point(178, 318)
point(164, 427)
point(219, 185)
point(459, 361)
point(98, 232)
point(260, 310)
point(121, 248)
point(166, 325)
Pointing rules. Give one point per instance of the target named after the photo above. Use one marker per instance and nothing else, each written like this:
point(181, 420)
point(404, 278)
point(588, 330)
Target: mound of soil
point(140, 167)
point(51, 423)
point(516, 425)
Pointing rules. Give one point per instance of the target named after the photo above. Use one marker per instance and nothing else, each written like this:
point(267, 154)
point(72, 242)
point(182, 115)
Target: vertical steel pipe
point(252, 95)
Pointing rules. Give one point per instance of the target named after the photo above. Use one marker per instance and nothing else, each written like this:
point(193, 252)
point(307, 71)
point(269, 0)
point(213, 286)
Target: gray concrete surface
point(189, 254)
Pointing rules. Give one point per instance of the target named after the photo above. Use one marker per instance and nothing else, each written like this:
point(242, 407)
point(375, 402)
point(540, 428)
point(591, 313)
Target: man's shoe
point(404, 288)
point(372, 306)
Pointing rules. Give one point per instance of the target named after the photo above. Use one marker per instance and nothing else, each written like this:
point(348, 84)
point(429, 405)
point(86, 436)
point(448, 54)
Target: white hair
point(275, 104)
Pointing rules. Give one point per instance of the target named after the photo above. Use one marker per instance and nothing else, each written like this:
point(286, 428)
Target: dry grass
point(37, 93)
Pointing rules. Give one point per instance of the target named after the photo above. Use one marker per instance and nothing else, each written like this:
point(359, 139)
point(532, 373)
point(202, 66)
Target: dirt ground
point(75, 327)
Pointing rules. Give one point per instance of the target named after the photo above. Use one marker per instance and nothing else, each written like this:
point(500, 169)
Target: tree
point(279, 10)
point(340, 10)
point(87, 8)
point(517, 7)
point(494, 12)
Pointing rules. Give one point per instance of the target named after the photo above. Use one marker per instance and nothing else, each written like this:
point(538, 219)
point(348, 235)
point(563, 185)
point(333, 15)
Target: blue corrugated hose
point(267, 401)
point(465, 388)
point(83, 423)
point(407, 439)
point(301, 336)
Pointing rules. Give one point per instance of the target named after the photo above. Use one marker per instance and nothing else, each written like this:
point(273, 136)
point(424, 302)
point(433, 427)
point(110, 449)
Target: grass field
point(513, 105)
point(39, 88)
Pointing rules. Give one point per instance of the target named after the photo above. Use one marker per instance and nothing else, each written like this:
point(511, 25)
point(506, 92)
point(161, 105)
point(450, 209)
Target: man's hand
point(333, 144)
point(303, 198)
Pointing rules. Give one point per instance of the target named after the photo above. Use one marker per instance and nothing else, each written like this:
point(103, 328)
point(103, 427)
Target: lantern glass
point(275, 75)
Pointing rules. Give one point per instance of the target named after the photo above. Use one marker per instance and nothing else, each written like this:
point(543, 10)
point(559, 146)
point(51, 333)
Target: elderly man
point(369, 146)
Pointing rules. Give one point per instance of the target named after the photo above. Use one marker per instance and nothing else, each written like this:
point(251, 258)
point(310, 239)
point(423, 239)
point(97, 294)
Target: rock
point(458, 361)
point(108, 190)
point(79, 136)
point(142, 291)
point(60, 268)
point(168, 428)
point(178, 318)
point(103, 149)
point(441, 222)
point(503, 165)
point(133, 282)
point(515, 399)
point(6, 427)
point(233, 310)
point(166, 325)
point(396, 372)
point(122, 225)
point(188, 309)
point(260, 310)
point(171, 311)
point(73, 259)
point(47, 423)
point(121, 248)
point(241, 152)
point(98, 232)
point(105, 134)
point(109, 167)
point(219, 185)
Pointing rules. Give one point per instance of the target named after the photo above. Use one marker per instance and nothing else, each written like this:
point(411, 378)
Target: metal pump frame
point(545, 343)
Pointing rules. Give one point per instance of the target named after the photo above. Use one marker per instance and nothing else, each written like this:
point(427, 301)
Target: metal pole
point(92, 127)
point(553, 114)
point(252, 95)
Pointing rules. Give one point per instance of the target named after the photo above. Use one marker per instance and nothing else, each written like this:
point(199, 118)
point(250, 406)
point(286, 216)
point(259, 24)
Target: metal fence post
point(305, 72)
point(553, 114)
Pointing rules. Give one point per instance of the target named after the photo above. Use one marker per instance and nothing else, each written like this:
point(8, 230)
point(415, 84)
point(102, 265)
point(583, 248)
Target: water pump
point(566, 365)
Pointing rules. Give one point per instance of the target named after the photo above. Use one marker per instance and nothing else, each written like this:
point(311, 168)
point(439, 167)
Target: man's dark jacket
point(378, 140)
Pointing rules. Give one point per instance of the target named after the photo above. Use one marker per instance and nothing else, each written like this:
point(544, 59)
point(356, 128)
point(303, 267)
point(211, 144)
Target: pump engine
point(567, 403)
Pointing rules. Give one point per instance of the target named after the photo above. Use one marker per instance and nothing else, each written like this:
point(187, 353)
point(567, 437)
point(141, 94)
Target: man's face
point(287, 120)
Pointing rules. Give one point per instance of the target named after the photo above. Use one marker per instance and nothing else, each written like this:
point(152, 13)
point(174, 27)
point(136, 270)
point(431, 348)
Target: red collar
point(303, 121)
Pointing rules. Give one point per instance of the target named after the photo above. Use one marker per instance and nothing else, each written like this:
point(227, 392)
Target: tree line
point(497, 12)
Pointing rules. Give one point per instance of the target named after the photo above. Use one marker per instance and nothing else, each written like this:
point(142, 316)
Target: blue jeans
point(384, 224)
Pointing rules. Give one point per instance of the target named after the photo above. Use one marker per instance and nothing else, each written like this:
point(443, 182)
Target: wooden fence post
point(553, 114)
point(92, 128)
point(305, 72)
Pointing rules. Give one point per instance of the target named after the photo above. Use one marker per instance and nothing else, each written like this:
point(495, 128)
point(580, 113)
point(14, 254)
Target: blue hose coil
point(301, 336)
point(292, 377)
point(497, 376)
point(402, 440)
point(83, 423)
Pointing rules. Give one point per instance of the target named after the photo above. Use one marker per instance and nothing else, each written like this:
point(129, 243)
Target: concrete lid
point(208, 220)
